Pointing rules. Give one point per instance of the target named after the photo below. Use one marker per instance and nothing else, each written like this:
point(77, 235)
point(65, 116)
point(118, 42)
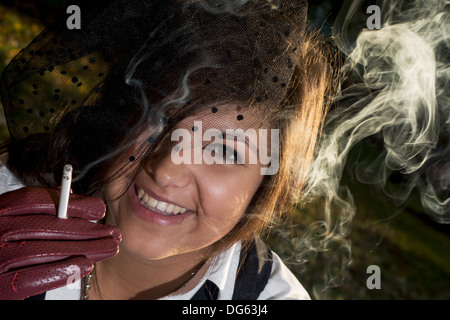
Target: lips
point(152, 208)
point(165, 208)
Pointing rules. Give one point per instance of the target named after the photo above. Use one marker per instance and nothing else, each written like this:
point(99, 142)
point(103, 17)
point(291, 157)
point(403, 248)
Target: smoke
point(401, 93)
point(395, 91)
point(220, 6)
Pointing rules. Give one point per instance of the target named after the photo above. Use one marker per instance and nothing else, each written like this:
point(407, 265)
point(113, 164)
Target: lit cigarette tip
point(65, 191)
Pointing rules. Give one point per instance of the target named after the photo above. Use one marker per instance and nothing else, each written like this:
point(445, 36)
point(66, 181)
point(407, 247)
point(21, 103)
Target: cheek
point(226, 197)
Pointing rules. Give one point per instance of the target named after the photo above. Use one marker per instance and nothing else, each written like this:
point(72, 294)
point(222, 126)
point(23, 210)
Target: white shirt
point(222, 270)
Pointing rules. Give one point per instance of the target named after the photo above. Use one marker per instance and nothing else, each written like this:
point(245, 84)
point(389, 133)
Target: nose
point(166, 173)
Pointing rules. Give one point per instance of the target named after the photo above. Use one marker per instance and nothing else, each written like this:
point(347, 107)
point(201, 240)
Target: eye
point(229, 154)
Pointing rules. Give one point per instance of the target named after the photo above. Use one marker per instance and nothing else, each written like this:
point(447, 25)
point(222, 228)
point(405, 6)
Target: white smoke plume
point(403, 96)
point(396, 91)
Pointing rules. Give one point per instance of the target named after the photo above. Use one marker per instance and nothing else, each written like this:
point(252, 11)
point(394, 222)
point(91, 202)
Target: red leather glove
point(38, 251)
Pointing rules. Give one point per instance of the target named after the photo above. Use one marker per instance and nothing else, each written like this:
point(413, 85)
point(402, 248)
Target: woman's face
point(173, 208)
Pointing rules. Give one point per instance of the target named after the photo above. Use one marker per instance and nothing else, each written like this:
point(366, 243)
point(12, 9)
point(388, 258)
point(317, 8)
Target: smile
point(162, 207)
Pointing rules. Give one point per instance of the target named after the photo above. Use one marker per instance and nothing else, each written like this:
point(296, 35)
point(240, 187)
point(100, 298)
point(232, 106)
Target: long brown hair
point(300, 120)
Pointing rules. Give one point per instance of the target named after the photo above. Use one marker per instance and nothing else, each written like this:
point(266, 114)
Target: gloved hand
point(40, 252)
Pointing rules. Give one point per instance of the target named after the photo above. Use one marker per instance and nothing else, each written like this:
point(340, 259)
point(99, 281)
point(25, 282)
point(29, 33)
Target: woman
point(110, 98)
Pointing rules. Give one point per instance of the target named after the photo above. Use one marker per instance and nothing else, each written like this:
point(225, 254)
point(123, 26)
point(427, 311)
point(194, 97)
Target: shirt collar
point(222, 272)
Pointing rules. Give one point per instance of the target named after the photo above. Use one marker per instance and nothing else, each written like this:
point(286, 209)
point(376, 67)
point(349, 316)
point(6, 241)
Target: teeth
point(162, 206)
point(170, 208)
point(159, 205)
point(176, 210)
point(152, 202)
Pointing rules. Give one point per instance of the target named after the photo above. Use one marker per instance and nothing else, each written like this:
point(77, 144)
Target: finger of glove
point(35, 280)
point(29, 200)
point(17, 255)
point(43, 227)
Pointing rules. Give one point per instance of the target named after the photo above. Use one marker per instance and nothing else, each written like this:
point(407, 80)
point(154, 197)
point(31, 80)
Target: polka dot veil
point(136, 69)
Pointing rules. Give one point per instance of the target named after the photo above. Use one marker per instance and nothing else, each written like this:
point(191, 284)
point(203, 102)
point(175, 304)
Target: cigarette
point(65, 191)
